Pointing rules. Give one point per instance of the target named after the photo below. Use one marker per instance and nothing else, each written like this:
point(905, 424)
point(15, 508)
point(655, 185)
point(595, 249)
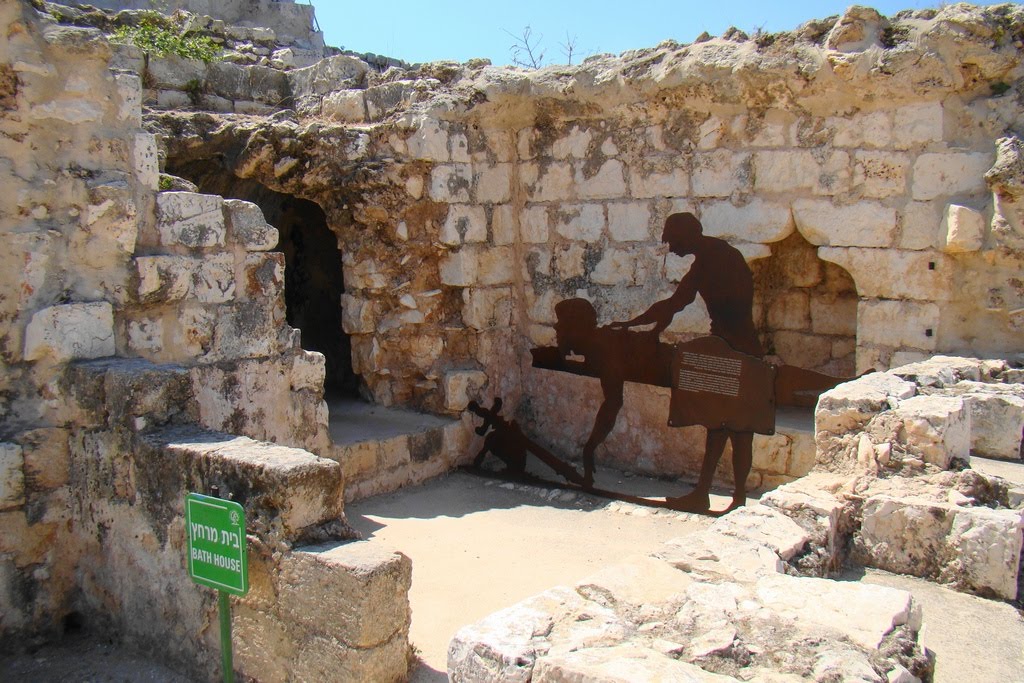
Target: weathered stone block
point(791, 311)
point(464, 224)
point(943, 174)
point(248, 227)
point(898, 323)
point(802, 350)
point(190, 220)
point(429, 142)
point(834, 315)
point(451, 183)
point(347, 106)
point(620, 663)
point(904, 536)
point(340, 72)
point(873, 130)
point(881, 174)
point(497, 265)
point(608, 183)
point(920, 223)
point(494, 184)
point(503, 227)
point(573, 144)
point(859, 225)
point(583, 222)
point(356, 593)
point(851, 405)
point(145, 160)
point(997, 422)
point(47, 458)
point(164, 278)
point(534, 224)
point(920, 275)
point(385, 98)
point(459, 269)
point(12, 476)
point(766, 526)
point(917, 124)
point(985, 546)
point(791, 171)
point(757, 221)
point(71, 331)
point(629, 222)
point(549, 182)
point(721, 173)
point(936, 428)
point(964, 230)
point(616, 267)
point(213, 280)
point(460, 386)
point(358, 316)
point(484, 309)
point(174, 73)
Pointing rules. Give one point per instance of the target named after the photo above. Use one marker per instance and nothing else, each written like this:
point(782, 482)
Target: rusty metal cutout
point(719, 381)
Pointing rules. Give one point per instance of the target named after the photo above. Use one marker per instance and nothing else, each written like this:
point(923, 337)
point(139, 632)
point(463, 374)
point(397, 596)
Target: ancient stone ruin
point(214, 269)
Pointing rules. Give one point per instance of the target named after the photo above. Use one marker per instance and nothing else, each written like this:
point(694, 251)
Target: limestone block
point(385, 98)
point(964, 230)
point(146, 336)
point(569, 261)
point(263, 276)
point(756, 221)
point(145, 161)
point(903, 535)
point(174, 73)
point(340, 72)
point(173, 99)
point(855, 31)
point(129, 94)
point(791, 171)
point(721, 173)
point(484, 309)
point(997, 424)
point(920, 275)
point(70, 332)
point(790, 311)
point(920, 226)
point(942, 174)
point(548, 182)
point(290, 490)
point(864, 613)
point(464, 224)
point(834, 315)
point(534, 224)
point(660, 181)
point(451, 183)
point(897, 324)
point(356, 593)
point(362, 273)
point(459, 268)
point(881, 174)
point(460, 386)
point(851, 405)
point(947, 372)
point(717, 556)
point(497, 265)
point(308, 368)
point(573, 144)
point(246, 329)
point(802, 350)
point(248, 227)
point(324, 659)
point(764, 525)
point(503, 227)
point(629, 222)
point(47, 458)
point(12, 476)
point(620, 663)
point(347, 106)
point(164, 278)
point(845, 665)
point(358, 316)
point(986, 547)
point(917, 124)
point(213, 280)
point(607, 183)
point(262, 644)
point(584, 222)
point(459, 144)
point(936, 428)
point(872, 130)
point(864, 224)
point(190, 220)
point(429, 141)
point(494, 184)
point(616, 267)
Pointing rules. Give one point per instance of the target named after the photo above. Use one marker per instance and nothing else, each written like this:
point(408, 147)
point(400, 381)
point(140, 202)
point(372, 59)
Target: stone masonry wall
point(469, 199)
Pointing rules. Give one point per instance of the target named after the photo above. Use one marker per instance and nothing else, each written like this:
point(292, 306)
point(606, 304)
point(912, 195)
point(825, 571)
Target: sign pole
point(224, 601)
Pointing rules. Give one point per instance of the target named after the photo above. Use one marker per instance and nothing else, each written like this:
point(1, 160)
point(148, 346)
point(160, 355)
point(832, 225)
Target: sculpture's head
point(682, 233)
point(575, 323)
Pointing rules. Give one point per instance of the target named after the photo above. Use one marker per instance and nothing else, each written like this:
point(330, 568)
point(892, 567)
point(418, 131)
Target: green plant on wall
point(161, 36)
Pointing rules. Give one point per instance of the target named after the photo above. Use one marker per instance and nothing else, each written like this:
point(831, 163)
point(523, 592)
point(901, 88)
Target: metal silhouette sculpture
point(720, 381)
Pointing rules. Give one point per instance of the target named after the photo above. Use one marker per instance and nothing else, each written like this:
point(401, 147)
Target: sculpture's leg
point(698, 499)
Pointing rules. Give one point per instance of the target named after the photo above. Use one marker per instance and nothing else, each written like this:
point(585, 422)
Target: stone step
point(288, 494)
point(383, 449)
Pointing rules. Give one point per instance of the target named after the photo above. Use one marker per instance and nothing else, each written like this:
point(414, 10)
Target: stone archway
point(805, 308)
point(313, 268)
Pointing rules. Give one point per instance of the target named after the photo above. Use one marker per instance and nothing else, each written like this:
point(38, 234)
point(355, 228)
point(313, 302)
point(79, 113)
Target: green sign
point(216, 543)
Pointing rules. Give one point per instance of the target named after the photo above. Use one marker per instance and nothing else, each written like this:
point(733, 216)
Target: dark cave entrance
point(313, 272)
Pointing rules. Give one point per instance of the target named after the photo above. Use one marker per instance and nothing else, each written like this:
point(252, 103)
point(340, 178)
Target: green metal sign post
point(217, 558)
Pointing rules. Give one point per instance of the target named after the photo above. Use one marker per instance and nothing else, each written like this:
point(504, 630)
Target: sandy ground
point(478, 545)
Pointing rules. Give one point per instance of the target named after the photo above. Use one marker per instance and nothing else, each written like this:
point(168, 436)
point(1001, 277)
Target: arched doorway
point(313, 271)
point(805, 308)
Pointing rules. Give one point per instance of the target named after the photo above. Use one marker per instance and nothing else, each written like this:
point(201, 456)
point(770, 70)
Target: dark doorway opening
point(313, 273)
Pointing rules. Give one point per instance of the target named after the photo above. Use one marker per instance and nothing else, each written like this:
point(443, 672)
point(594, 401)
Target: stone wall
point(469, 199)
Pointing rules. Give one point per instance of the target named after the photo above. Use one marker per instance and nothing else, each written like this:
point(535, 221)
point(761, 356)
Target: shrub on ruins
point(160, 36)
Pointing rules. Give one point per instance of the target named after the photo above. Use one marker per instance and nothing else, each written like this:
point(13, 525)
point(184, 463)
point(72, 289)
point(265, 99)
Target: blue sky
point(428, 30)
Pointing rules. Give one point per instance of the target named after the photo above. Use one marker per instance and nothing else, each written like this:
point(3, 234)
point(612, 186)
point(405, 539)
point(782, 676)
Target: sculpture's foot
point(736, 503)
point(588, 478)
point(694, 501)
